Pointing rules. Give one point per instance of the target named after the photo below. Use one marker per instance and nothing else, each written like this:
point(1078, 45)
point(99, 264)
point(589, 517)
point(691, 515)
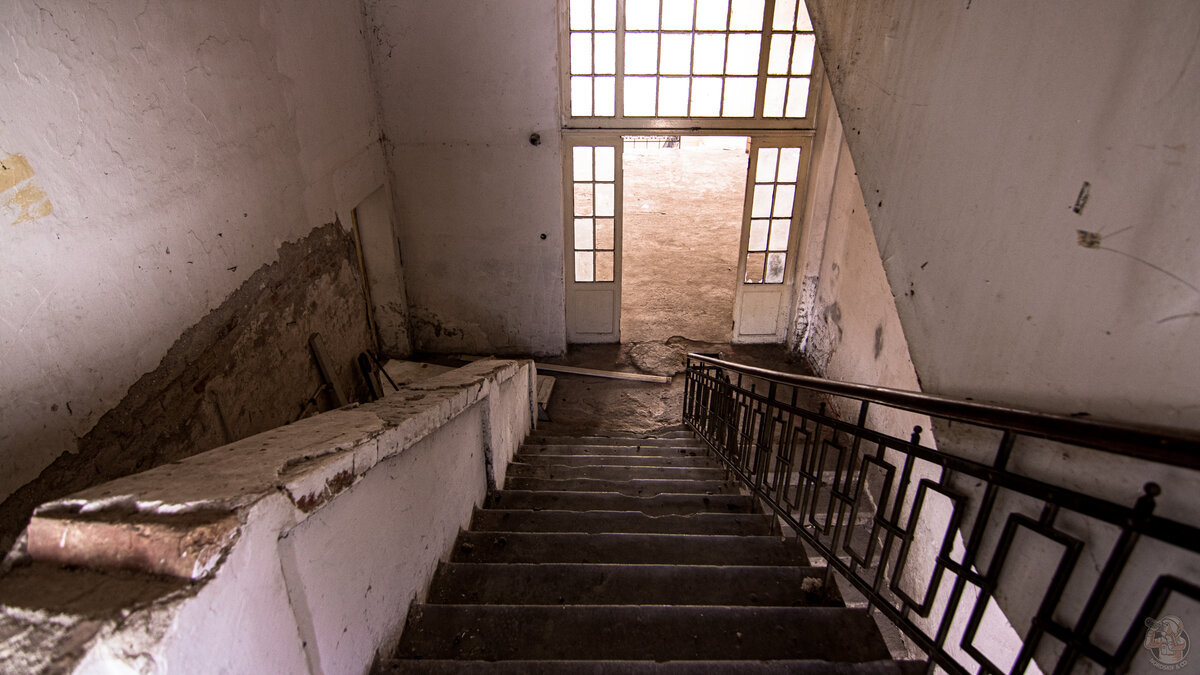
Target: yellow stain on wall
point(13, 170)
point(28, 202)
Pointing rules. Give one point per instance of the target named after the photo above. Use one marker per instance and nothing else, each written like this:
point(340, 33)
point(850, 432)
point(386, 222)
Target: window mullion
point(619, 94)
point(764, 59)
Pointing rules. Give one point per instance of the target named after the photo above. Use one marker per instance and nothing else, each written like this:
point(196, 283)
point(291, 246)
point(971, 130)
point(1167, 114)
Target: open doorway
point(683, 203)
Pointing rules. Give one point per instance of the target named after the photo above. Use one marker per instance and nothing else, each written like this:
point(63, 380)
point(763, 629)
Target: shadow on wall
point(244, 368)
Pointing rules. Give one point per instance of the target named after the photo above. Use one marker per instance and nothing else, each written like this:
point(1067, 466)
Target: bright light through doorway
point(682, 226)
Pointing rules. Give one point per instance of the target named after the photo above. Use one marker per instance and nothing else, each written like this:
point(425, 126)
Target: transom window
point(747, 60)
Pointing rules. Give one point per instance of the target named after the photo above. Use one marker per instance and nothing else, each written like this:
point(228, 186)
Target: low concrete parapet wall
point(295, 550)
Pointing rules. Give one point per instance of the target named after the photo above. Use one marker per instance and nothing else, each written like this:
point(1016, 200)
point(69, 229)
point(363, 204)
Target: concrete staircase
point(623, 554)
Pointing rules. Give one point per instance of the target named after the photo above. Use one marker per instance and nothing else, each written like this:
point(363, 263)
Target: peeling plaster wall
point(463, 84)
point(178, 146)
point(975, 126)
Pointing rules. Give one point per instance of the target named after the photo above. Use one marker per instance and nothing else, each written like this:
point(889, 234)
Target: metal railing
point(989, 556)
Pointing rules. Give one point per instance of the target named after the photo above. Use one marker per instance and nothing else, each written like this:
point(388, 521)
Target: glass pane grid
point(690, 58)
point(776, 173)
point(594, 212)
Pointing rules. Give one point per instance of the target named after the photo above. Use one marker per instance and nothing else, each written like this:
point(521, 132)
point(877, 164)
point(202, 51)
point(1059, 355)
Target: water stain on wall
point(27, 201)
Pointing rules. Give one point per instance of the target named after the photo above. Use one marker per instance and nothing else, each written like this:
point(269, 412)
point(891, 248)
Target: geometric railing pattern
point(985, 564)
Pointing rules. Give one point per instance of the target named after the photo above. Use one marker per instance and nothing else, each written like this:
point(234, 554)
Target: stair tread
point(593, 632)
point(560, 547)
point(613, 501)
point(521, 520)
point(616, 584)
point(629, 486)
point(619, 472)
point(625, 450)
point(617, 460)
point(752, 667)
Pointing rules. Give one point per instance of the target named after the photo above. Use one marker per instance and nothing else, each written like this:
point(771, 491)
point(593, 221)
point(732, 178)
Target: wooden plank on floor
point(611, 374)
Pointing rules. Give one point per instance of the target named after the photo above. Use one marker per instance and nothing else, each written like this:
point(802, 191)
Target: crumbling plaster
point(180, 145)
point(338, 523)
point(975, 127)
point(463, 85)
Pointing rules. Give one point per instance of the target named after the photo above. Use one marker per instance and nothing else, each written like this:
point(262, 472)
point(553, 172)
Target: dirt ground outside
point(682, 229)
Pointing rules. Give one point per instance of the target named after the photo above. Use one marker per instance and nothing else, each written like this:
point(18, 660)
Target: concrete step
point(503, 520)
point(583, 584)
point(657, 505)
point(615, 472)
point(633, 549)
point(623, 450)
point(811, 667)
point(603, 632)
point(536, 439)
point(539, 459)
point(633, 486)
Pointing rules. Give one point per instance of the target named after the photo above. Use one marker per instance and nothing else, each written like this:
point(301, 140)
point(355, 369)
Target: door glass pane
point(604, 266)
point(582, 163)
point(584, 268)
point(605, 201)
point(583, 199)
point(767, 158)
point(758, 235)
point(754, 267)
point(583, 234)
point(605, 163)
point(775, 268)
point(789, 164)
point(762, 201)
point(783, 200)
point(604, 234)
point(780, 228)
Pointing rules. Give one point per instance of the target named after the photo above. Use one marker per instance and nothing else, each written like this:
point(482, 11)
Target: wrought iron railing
point(1000, 546)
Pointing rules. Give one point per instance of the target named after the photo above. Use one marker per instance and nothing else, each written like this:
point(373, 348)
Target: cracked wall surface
point(986, 137)
point(179, 146)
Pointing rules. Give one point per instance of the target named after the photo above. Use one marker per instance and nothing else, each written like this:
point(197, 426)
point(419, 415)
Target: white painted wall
point(463, 84)
point(973, 126)
point(178, 146)
point(342, 519)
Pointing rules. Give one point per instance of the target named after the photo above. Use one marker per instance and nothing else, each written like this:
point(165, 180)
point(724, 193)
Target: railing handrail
point(1179, 447)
